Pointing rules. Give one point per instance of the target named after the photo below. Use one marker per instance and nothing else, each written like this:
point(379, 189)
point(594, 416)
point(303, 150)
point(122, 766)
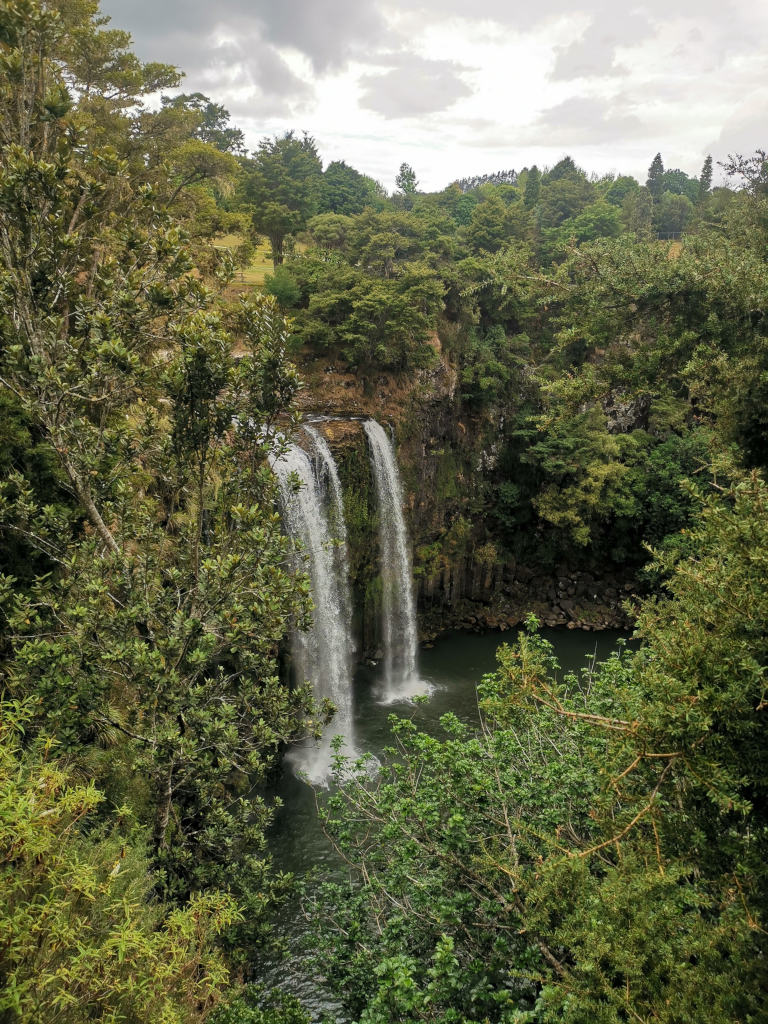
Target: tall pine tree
point(655, 182)
point(532, 187)
point(705, 179)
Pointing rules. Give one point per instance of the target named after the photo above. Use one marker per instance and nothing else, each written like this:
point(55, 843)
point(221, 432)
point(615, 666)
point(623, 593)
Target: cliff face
point(462, 576)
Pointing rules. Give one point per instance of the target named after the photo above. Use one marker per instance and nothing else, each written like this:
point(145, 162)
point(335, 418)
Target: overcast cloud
point(413, 87)
point(457, 91)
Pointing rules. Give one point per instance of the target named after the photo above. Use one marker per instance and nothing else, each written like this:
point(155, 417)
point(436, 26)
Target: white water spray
point(322, 653)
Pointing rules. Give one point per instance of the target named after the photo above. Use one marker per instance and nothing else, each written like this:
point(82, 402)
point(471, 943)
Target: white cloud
point(382, 81)
point(413, 87)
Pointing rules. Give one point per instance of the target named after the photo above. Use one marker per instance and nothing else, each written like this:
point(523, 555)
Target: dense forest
point(597, 851)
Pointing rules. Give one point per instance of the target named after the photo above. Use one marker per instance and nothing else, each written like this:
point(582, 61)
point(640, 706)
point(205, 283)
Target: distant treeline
point(496, 178)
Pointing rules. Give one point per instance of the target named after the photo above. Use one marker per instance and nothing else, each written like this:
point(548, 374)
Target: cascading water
point(322, 653)
point(398, 609)
point(329, 478)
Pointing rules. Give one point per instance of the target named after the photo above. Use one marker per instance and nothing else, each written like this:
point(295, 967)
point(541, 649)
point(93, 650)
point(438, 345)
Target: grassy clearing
point(260, 265)
point(253, 274)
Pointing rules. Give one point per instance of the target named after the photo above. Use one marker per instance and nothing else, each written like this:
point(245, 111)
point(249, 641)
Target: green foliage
point(406, 180)
point(148, 640)
point(532, 187)
point(330, 230)
point(672, 213)
point(169, 652)
point(564, 168)
point(563, 198)
point(678, 183)
point(597, 850)
point(24, 455)
point(284, 286)
point(637, 212)
point(491, 367)
point(82, 937)
point(212, 121)
point(705, 178)
point(619, 189)
point(282, 186)
point(655, 180)
point(375, 321)
point(598, 220)
point(254, 1005)
point(638, 338)
point(581, 464)
point(344, 190)
point(488, 227)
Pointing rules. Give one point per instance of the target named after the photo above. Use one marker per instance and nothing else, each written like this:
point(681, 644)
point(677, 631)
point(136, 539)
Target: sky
point(457, 89)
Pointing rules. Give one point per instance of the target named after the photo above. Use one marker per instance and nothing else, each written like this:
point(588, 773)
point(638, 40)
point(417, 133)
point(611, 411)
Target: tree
point(83, 937)
point(705, 178)
point(672, 213)
point(565, 168)
point(532, 187)
point(382, 242)
point(488, 228)
point(637, 211)
point(406, 184)
point(56, 52)
point(85, 79)
point(344, 190)
point(406, 180)
point(211, 121)
point(284, 286)
point(649, 353)
point(461, 204)
point(330, 230)
point(582, 469)
point(563, 198)
point(678, 183)
point(282, 188)
point(490, 368)
point(596, 851)
point(598, 220)
point(619, 189)
point(751, 170)
point(376, 321)
point(156, 636)
point(654, 182)
point(195, 161)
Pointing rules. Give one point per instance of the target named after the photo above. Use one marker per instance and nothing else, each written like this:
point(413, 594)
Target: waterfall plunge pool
point(452, 668)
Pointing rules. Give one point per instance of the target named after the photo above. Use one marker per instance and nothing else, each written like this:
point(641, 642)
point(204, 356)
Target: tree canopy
point(283, 185)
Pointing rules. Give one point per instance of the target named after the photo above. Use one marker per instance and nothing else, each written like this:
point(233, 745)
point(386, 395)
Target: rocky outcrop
point(462, 577)
point(623, 415)
point(578, 601)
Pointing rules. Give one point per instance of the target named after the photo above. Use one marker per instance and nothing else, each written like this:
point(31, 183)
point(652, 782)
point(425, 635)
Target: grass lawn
point(261, 263)
point(259, 266)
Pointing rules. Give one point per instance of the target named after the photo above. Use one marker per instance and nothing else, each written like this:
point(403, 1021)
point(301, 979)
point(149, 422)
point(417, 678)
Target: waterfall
point(322, 653)
point(329, 479)
point(398, 609)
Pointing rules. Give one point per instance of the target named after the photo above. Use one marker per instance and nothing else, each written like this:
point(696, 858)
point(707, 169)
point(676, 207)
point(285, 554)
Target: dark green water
point(453, 667)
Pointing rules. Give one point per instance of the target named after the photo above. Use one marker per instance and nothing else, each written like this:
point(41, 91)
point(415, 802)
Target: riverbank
point(576, 601)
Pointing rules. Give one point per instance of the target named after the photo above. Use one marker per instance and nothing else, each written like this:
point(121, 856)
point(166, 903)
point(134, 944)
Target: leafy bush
point(81, 936)
point(598, 851)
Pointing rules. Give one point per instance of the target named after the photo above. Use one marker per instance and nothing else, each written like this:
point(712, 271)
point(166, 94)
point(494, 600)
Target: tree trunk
point(84, 495)
point(277, 242)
